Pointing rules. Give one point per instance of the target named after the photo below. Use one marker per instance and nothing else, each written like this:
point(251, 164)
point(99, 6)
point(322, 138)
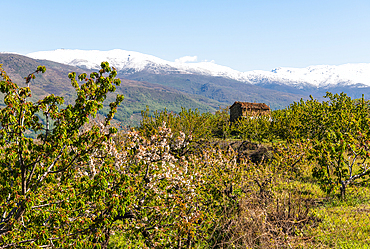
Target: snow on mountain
point(323, 75)
point(91, 59)
point(128, 61)
point(132, 61)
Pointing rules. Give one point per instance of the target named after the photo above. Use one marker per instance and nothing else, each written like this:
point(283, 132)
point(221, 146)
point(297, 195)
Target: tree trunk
point(343, 190)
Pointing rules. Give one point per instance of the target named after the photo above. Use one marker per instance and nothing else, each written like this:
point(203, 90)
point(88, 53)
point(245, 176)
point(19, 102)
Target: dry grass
point(264, 221)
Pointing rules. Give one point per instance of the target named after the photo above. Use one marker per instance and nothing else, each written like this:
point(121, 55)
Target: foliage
point(47, 195)
point(220, 126)
point(191, 122)
point(253, 128)
point(335, 133)
point(177, 200)
point(343, 151)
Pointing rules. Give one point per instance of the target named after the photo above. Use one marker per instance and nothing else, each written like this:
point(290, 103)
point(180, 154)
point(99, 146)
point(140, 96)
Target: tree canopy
point(47, 194)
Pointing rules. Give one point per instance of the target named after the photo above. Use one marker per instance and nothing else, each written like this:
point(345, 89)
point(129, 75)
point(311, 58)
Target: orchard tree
point(179, 200)
point(342, 150)
point(336, 134)
point(47, 195)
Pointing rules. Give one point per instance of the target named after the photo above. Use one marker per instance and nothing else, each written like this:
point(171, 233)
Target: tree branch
point(51, 165)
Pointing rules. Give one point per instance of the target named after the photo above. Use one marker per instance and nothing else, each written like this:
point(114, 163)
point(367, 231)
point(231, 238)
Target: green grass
point(342, 223)
point(342, 226)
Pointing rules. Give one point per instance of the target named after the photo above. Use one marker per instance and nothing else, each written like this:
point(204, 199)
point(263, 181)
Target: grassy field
point(338, 223)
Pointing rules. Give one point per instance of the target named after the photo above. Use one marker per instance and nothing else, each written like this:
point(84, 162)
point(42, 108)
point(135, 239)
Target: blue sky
point(244, 35)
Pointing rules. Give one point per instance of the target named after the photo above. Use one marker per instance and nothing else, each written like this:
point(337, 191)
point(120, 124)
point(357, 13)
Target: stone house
point(243, 109)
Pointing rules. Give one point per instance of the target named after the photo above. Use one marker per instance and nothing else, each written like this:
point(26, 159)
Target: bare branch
point(17, 243)
point(51, 165)
point(48, 204)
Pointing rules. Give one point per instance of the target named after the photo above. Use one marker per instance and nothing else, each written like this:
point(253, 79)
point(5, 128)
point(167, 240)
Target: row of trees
point(335, 134)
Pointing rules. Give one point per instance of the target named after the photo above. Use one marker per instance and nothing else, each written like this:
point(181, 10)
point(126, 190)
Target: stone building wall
point(243, 109)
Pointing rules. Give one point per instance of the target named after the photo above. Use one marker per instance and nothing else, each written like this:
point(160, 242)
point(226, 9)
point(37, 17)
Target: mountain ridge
point(130, 62)
point(138, 94)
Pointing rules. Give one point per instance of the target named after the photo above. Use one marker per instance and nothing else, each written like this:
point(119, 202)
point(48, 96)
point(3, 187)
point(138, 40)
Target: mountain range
point(158, 84)
point(129, 62)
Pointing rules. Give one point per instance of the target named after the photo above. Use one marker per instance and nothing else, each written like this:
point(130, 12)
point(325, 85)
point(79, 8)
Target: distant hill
point(137, 94)
point(220, 89)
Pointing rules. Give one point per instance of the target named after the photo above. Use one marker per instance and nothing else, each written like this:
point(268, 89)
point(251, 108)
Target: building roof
point(248, 105)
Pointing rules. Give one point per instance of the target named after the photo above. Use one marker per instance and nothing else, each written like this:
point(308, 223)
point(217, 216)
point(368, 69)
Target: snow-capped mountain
point(133, 62)
point(129, 62)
